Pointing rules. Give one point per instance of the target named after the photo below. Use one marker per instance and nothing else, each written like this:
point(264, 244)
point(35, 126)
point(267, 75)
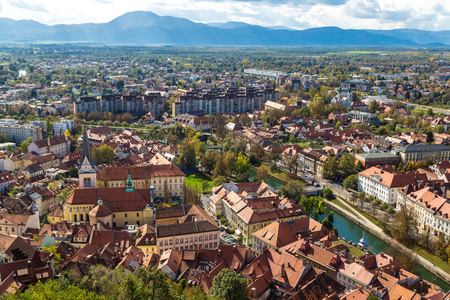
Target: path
point(372, 228)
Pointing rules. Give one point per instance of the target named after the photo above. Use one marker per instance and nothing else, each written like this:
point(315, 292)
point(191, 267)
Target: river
point(353, 232)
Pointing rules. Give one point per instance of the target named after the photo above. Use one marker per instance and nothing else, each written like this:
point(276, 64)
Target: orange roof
point(393, 179)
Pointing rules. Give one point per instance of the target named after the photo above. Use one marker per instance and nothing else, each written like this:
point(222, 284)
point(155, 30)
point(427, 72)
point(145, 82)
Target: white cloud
point(374, 14)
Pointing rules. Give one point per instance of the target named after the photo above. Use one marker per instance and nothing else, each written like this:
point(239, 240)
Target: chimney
point(218, 252)
point(234, 248)
point(253, 293)
point(29, 264)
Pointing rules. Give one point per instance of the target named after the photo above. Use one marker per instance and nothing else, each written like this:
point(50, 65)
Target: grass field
point(437, 261)
point(197, 179)
point(278, 174)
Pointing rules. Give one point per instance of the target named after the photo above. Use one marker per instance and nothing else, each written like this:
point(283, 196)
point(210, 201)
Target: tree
point(219, 180)
point(219, 125)
point(327, 192)
point(242, 166)
point(317, 107)
point(405, 226)
point(103, 154)
point(371, 296)
point(313, 206)
point(430, 137)
point(24, 146)
point(347, 165)
point(293, 189)
point(351, 182)
point(228, 285)
point(372, 107)
point(261, 175)
point(208, 161)
point(439, 129)
point(441, 245)
point(330, 168)
point(221, 168)
point(205, 186)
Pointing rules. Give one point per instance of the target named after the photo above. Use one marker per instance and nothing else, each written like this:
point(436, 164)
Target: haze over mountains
point(147, 28)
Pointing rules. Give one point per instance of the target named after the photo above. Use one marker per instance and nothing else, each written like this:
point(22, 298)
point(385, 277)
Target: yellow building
point(160, 177)
point(118, 206)
point(146, 240)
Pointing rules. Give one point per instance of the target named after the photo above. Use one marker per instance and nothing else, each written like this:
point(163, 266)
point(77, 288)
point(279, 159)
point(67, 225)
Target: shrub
point(327, 192)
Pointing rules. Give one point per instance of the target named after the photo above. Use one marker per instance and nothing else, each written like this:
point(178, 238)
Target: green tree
point(373, 106)
point(294, 190)
point(430, 137)
point(313, 206)
point(317, 107)
point(347, 165)
point(330, 168)
point(52, 289)
point(351, 182)
point(228, 285)
point(103, 154)
point(242, 166)
point(219, 180)
point(327, 192)
point(24, 146)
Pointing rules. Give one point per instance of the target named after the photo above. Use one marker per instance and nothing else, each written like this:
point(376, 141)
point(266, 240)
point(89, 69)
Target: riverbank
point(360, 220)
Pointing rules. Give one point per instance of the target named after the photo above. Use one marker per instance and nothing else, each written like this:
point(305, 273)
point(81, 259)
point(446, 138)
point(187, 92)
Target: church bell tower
point(87, 174)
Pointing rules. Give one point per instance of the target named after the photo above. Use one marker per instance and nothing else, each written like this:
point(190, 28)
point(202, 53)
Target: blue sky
point(300, 14)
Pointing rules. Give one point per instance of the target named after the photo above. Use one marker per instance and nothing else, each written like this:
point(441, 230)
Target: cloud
point(28, 4)
point(299, 14)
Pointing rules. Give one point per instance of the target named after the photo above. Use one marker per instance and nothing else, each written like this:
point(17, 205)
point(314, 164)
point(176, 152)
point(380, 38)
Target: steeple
point(86, 150)
point(130, 187)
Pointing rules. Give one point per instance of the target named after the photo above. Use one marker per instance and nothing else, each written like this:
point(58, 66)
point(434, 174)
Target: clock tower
point(87, 174)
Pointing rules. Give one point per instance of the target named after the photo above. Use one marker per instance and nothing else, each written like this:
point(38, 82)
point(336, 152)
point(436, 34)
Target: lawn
point(278, 174)
point(197, 179)
point(437, 261)
point(354, 250)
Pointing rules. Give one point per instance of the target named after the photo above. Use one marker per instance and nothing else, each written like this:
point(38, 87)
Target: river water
point(352, 232)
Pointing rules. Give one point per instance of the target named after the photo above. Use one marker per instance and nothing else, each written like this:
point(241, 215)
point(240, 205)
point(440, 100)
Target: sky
point(298, 14)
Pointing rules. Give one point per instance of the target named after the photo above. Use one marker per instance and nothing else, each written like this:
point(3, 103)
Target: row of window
point(191, 247)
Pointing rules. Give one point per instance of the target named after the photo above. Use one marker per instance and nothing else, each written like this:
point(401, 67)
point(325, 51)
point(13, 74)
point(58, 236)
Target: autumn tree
point(405, 226)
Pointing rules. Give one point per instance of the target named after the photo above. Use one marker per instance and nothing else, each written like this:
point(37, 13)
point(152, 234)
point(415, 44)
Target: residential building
point(5, 180)
point(188, 235)
point(232, 100)
point(60, 146)
point(59, 128)
point(146, 240)
point(87, 104)
point(418, 152)
point(383, 183)
point(355, 275)
point(366, 117)
point(19, 133)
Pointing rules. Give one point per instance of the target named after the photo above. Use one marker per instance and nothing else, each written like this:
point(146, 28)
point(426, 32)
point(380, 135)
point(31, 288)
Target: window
point(137, 214)
point(125, 215)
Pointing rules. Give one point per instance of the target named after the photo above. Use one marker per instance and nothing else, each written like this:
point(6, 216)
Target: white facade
point(61, 126)
point(376, 189)
point(19, 133)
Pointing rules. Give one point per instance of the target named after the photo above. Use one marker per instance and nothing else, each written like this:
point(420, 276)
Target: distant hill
point(147, 28)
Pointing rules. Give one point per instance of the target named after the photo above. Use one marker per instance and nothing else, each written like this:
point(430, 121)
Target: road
point(435, 110)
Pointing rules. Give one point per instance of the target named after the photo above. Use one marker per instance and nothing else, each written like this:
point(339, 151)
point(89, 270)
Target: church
point(113, 207)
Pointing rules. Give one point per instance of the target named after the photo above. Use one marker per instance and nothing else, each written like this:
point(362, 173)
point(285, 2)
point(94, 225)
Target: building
point(19, 133)
point(5, 180)
point(418, 152)
point(146, 240)
point(383, 183)
point(113, 206)
point(431, 208)
point(60, 146)
point(188, 235)
point(377, 159)
point(356, 84)
point(59, 128)
point(274, 106)
point(366, 117)
point(344, 97)
point(88, 104)
point(214, 100)
point(355, 275)
point(155, 177)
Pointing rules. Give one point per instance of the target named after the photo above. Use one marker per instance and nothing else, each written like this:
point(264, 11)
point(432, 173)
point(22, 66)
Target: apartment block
point(19, 133)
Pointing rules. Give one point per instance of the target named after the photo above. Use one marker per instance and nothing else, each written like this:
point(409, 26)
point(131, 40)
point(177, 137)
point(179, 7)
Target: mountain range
point(147, 28)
